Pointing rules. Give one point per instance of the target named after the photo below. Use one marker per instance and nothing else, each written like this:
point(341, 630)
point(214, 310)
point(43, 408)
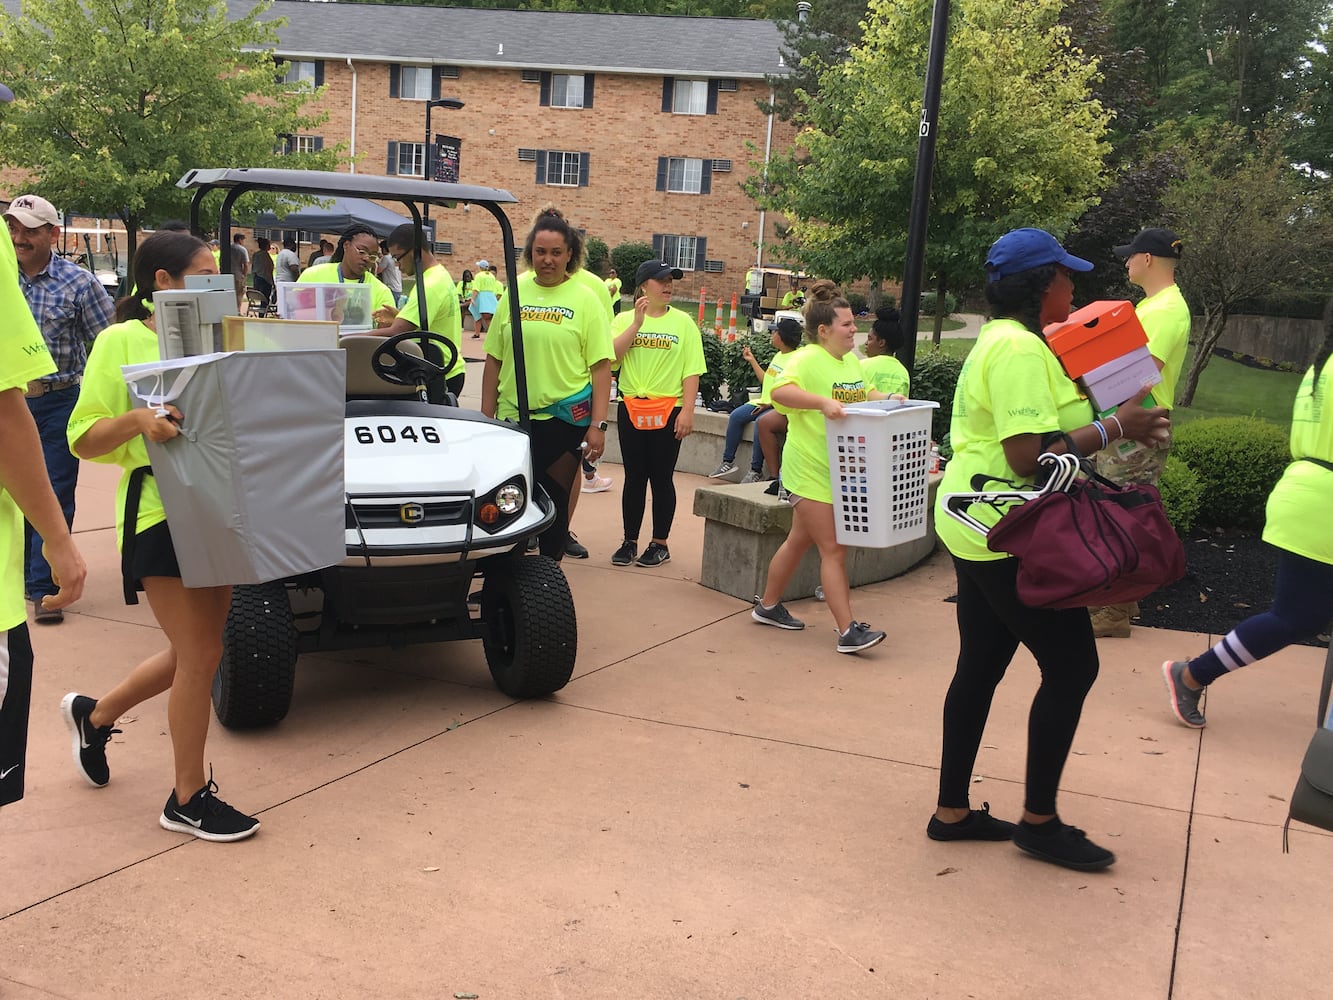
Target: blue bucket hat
point(1023, 249)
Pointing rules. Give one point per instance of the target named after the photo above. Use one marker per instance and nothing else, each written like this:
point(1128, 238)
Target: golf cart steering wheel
point(398, 368)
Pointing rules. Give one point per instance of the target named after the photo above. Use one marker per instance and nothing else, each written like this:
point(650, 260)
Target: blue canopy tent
point(335, 215)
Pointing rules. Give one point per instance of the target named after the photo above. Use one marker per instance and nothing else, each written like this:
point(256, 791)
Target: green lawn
point(1226, 388)
point(926, 324)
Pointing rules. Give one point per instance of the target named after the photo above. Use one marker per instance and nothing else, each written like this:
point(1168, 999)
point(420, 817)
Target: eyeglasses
point(370, 255)
point(398, 257)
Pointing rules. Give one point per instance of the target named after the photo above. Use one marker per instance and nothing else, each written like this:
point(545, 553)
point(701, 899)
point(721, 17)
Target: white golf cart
point(438, 498)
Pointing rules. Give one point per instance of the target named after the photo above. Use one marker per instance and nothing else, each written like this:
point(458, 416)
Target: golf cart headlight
point(509, 499)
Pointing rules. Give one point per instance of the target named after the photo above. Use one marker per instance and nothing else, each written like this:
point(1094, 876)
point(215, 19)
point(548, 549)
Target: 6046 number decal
point(384, 434)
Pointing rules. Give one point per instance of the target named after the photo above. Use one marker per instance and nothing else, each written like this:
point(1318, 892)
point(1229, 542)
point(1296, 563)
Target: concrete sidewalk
point(710, 809)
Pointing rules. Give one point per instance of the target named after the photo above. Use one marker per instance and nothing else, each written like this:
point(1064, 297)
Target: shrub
point(857, 301)
point(935, 377)
point(1182, 493)
point(626, 259)
point(1238, 460)
point(728, 368)
point(928, 304)
point(595, 256)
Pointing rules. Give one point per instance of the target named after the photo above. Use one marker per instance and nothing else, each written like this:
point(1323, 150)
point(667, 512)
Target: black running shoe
point(89, 741)
point(979, 825)
point(574, 548)
point(1062, 844)
point(207, 817)
point(654, 555)
point(625, 554)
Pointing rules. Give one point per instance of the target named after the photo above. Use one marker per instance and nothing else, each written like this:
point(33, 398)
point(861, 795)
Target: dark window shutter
point(319, 72)
point(279, 74)
point(318, 143)
point(699, 253)
point(392, 167)
point(712, 97)
point(583, 170)
point(668, 91)
point(435, 83)
point(395, 75)
point(546, 90)
point(661, 173)
point(541, 166)
point(587, 89)
point(706, 179)
point(658, 240)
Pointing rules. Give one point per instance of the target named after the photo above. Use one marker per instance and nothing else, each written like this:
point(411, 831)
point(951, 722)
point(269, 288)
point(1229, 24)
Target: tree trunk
point(131, 221)
point(940, 311)
point(875, 294)
point(1214, 322)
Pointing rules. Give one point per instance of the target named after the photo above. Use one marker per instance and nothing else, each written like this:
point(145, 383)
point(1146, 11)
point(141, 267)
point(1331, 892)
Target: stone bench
point(743, 528)
point(701, 452)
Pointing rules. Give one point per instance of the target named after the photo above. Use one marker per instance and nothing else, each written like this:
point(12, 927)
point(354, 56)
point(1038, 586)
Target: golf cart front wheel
point(529, 631)
point(254, 681)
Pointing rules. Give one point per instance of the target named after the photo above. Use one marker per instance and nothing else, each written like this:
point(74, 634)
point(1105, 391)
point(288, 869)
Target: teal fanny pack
point(575, 409)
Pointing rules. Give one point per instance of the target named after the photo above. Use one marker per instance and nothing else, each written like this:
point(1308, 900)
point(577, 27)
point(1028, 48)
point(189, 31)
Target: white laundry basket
point(879, 467)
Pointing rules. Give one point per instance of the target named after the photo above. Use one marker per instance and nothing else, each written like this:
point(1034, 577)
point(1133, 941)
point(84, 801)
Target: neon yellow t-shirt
point(613, 287)
point(886, 374)
point(565, 333)
point(776, 366)
point(104, 395)
point(666, 350)
point(329, 274)
point(1011, 384)
point(486, 282)
point(1297, 517)
point(1166, 321)
point(805, 469)
point(441, 311)
point(23, 357)
point(597, 286)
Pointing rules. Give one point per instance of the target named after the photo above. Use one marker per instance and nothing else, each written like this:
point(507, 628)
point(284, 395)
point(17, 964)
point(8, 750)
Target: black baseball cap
point(1158, 242)
point(657, 270)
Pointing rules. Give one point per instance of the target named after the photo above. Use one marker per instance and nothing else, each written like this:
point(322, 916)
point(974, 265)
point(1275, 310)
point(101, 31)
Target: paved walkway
point(710, 809)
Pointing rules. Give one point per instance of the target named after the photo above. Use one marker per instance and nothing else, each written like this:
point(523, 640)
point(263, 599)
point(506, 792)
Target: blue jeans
point(736, 421)
point(51, 413)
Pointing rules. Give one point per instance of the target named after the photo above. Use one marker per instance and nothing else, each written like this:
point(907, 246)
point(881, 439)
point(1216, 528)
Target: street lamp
point(453, 104)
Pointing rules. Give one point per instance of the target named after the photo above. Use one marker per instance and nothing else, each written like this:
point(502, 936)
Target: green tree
point(810, 48)
point(1021, 142)
point(1251, 227)
point(117, 99)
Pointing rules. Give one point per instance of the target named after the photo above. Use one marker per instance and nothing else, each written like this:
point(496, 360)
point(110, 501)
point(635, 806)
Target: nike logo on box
point(7, 771)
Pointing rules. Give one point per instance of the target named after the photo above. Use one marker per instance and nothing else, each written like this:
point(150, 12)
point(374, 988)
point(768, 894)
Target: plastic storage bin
point(348, 304)
point(879, 467)
point(1095, 335)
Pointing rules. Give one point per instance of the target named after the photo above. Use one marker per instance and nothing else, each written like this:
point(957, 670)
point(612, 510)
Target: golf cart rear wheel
point(530, 635)
point(253, 683)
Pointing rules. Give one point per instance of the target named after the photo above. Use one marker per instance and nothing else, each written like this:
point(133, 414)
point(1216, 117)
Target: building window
point(562, 168)
point(679, 251)
point(303, 75)
point(408, 159)
point(684, 176)
point(416, 83)
point(690, 97)
point(566, 91)
point(308, 144)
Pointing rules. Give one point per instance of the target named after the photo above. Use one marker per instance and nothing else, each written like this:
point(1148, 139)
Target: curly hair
point(1018, 296)
point(888, 328)
point(355, 229)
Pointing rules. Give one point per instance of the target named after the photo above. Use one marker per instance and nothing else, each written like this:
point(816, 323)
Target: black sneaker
point(89, 741)
point(1062, 844)
point(574, 548)
point(858, 636)
point(207, 817)
point(774, 487)
point(625, 554)
point(776, 615)
point(1184, 701)
point(654, 555)
point(979, 825)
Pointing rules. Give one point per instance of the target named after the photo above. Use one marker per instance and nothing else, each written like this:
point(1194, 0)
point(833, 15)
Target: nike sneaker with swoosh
point(207, 817)
point(88, 741)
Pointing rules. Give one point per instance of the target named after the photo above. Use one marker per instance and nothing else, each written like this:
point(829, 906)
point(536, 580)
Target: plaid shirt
point(72, 308)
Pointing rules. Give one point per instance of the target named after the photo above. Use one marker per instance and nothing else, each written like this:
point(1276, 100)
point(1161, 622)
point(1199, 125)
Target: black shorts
point(15, 697)
point(154, 555)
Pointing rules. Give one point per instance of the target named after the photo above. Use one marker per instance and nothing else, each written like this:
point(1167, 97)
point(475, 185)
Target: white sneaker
point(596, 484)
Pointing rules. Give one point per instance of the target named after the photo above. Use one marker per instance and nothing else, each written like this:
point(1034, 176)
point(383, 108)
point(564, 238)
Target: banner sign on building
point(446, 158)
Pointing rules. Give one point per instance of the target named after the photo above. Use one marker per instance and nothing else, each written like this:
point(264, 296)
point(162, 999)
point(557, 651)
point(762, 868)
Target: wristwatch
point(601, 425)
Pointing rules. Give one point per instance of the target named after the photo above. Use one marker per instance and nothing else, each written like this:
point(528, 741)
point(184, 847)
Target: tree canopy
point(117, 99)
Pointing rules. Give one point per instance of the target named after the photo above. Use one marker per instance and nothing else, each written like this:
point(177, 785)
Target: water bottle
point(934, 458)
point(698, 400)
point(615, 391)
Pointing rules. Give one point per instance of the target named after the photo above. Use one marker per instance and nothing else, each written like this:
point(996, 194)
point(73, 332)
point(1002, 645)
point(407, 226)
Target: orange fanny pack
point(650, 414)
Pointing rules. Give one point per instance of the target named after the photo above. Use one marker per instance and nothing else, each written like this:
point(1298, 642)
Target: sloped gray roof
point(657, 45)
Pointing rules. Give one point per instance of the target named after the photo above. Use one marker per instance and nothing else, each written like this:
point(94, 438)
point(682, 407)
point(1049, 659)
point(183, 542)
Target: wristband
point(1119, 427)
point(1101, 429)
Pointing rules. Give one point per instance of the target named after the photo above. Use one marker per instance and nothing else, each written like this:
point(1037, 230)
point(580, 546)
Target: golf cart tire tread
point(537, 659)
point(254, 681)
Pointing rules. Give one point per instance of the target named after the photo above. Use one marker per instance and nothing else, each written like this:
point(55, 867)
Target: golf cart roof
point(328, 182)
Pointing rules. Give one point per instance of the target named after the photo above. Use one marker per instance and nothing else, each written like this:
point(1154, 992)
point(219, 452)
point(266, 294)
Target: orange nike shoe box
point(1096, 335)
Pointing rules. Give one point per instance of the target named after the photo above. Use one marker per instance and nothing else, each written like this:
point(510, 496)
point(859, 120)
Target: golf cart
point(438, 499)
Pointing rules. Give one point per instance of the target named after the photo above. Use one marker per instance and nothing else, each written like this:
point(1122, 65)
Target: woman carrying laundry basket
point(1012, 402)
point(107, 427)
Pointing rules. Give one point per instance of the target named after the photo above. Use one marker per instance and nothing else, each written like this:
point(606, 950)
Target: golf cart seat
point(362, 382)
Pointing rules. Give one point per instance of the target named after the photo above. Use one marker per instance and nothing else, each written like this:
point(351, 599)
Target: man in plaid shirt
point(71, 308)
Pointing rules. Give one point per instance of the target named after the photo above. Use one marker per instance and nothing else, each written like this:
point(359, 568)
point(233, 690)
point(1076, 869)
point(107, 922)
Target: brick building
point(637, 127)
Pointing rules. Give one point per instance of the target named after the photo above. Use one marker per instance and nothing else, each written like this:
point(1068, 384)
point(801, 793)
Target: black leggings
point(992, 621)
point(649, 457)
point(555, 461)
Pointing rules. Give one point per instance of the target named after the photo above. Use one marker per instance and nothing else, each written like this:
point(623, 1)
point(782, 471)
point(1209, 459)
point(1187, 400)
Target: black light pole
point(914, 263)
point(454, 104)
